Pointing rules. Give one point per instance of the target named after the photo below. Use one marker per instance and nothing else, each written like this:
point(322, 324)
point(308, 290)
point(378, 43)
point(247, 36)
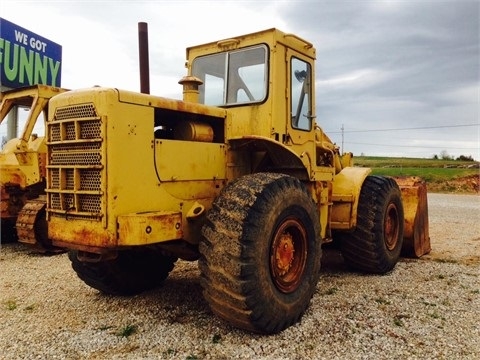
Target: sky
point(393, 77)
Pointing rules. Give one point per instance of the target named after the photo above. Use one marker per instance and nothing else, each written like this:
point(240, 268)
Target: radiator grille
point(90, 180)
point(90, 130)
point(78, 147)
point(76, 163)
point(75, 112)
point(66, 130)
point(75, 158)
point(70, 131)
point(69, 179)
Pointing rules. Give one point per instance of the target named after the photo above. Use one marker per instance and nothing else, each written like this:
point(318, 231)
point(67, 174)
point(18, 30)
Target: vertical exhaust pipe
point(143, 58)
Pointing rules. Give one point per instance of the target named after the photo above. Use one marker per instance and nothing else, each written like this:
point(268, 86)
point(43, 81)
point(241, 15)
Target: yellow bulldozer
point(23, 169)
point(238, 175)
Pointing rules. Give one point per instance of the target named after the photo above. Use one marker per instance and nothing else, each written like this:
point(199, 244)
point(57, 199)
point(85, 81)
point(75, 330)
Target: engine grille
point(75, 163)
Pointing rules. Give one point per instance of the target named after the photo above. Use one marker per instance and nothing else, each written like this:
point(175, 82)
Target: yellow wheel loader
point(23, 169)
point(238, 175)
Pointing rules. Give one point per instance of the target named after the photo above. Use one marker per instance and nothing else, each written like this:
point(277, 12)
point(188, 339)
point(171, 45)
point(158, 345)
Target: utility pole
point(342, 128)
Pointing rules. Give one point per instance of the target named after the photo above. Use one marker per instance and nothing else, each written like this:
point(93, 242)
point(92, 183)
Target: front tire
point(377, 240)
point(131, 272)
point(260, 257)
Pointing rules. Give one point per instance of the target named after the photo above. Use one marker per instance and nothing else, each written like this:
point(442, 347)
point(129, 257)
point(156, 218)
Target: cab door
point(301, 112)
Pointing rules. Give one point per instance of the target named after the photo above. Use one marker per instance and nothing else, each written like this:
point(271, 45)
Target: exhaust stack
point(143, 58)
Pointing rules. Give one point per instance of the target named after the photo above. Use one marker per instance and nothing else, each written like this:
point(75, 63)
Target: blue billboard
point(27, 58)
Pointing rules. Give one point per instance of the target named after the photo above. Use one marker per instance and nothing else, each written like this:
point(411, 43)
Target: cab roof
point(271, 37)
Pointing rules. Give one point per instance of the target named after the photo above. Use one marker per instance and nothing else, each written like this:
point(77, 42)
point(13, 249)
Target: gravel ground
point(424, 309)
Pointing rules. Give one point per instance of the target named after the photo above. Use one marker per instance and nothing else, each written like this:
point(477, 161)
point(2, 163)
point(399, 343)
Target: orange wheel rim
point(391, 227)
point(288, 255)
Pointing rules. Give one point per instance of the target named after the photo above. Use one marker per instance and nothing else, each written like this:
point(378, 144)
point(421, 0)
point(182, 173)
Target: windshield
point(234, 77)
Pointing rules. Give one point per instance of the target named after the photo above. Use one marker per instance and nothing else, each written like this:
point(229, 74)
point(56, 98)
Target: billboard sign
point(27, 58)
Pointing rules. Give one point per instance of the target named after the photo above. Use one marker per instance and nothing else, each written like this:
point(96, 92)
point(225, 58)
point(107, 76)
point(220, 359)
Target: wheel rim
point(391, 227)
point(288, 255)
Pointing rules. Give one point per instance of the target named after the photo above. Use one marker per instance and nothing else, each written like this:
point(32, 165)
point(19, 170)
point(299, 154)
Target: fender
point(346, 192)
point(279, 157)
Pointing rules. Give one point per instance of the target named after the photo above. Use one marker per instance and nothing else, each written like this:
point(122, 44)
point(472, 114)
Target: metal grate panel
point(76, 147)
point(75, 168)
point(55, 202)
point(90, 129)
point(55, 134)
point(90, 180)
point(75, 112)
point(69, 179)
point(68, 202)
point(70, 131)
point(66, 158)
point(89, 203)
point(55, 178)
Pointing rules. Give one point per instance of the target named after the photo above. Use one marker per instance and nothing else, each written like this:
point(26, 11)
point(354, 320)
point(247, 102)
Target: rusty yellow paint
point(23, 159)
point(415, 206)
point(149, 228)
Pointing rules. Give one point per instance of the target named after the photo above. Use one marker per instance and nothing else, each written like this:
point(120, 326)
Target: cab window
point(301, 111)
point(234, 77)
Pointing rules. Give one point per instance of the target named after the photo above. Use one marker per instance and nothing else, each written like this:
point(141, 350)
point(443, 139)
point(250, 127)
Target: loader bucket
point(416, 238)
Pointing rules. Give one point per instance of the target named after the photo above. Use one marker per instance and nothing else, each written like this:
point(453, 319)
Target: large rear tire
point(260, 257)
point(131, 272)
point(377, 240)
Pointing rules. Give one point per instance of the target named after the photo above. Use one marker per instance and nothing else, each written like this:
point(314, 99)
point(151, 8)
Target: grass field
point(440, 175)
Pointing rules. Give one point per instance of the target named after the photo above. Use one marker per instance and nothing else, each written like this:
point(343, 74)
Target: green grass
point(378, 161)
point(431, 170)
point(331, 291)
point(126, 331)
point(11, 305)
point(382, 301)
point(217, 338)
point(428, 174)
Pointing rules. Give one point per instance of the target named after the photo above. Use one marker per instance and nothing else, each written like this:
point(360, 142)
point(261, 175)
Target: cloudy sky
point(401, 77)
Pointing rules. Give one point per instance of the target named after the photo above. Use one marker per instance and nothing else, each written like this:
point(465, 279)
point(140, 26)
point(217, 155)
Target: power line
point(401, 129)
point(414, 146)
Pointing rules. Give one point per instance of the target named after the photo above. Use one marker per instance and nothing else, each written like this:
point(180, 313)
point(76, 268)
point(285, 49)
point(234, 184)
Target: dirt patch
point(462, 185)
point(449, 252)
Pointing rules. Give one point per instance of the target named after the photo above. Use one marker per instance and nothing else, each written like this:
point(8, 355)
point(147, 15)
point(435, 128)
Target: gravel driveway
point(424, 309)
